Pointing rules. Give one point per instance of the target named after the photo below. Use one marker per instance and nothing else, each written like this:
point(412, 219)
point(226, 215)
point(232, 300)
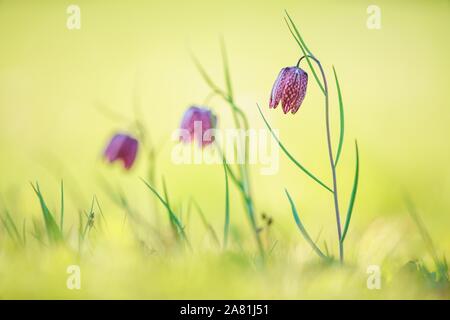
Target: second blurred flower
point(197, 124)
point(122, 147)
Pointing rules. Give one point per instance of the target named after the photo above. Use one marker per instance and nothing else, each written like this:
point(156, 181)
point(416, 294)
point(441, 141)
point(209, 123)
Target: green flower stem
point(332, 162)
point(240, 122)
point(245, 175)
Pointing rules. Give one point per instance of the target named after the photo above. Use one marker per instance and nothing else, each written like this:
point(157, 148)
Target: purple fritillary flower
point(290, 89)
point(122, 147)
point(196, 121)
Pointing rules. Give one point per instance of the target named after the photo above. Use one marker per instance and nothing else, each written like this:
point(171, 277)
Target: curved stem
point(243, 184)
point(330, 153)
point(309, 57)
point(241, 121)
point(233, 176)
point(245, 179)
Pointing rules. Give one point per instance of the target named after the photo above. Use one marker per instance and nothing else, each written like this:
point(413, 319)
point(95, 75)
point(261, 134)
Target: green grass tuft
point(54, 233)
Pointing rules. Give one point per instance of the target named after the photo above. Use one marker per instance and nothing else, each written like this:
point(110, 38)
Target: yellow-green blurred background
point(56, 85)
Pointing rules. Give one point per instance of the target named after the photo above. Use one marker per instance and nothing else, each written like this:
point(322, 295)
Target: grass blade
point(233, 175)
point(61, 220)
point(89, 220)
point(423, 231)
point(226, 70)
point(173, 217)
point(53, 232)
point(10, 227)
point(227, 209)
point(440, 275)
point(302, 228)
point(101, 212)
point(24, 232)
point(341, 119)
point(206, 77)
point(205, 222)
point(298, 38)
point(298, 34)
point(228, 97)
point(352, 196)
point(80, 231)
point(298, 164)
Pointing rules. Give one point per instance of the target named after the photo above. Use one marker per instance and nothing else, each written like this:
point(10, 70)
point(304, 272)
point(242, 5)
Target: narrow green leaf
point(101, 211)
point(341, 119)
point(226, 70)
point(178, 225)
point(298, 34)
point(273, 247)
point(61, 220)
point(306, 52)
point(206, 77)
point(89, 219)
point(298, 164)
point(205, 222)
point(13, 225)
point(227, 96)
point(80, 230)
point(37, 231)
point(169, 209)
point(24, 232)
point(5, 225)
point(423, 231)
point(353, 195)
point(53, 232)
point(227, 209)
point(10, 227)
point(172, 217)
point(232, 174)
point(327, 252)
point(302, 228)
point(229, 92)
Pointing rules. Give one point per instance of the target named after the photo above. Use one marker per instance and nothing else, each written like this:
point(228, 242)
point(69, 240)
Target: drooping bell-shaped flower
point(290, 89)
point(196, 125)
point(122, 147)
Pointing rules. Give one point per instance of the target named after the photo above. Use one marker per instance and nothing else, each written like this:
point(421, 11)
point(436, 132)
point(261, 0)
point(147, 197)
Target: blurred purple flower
point(290, 89)
point(122, 147)
point(196, 122)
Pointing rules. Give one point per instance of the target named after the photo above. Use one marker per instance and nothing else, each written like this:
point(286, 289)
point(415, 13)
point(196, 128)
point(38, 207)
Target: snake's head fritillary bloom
point(122, 147)
point(195, 123)
point(290, 89)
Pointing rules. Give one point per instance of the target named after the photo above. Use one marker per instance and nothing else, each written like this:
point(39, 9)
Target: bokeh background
point(64, 92)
